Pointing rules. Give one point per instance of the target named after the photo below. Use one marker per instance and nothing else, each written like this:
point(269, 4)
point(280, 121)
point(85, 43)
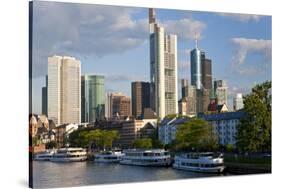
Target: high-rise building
point(187, 105)
point(207, 73)
point(163, 69)
point(220, 88)
point(119, 105)
point(202, 100)
point(238, 102)
point(45, 98)
point(92, 98)
point(196, 56)
point(191, 100)
point(184, 88)
point(140, 97)
point(64, 89)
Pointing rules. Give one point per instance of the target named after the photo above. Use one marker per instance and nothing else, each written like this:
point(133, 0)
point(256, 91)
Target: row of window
point(200, 165)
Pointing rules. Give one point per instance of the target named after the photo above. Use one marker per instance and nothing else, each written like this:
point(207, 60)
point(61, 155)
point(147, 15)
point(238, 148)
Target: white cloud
point(184, 28)
point(241, 17)
point(83, 30)
point(183, 65)
point(124, 78)
point(245, 46)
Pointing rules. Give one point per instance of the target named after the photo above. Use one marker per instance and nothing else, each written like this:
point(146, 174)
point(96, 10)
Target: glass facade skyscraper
point(92, 98)
point(196, 73)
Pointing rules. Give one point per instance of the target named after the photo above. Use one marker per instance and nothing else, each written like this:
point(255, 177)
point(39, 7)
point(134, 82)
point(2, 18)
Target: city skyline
point(240, 53)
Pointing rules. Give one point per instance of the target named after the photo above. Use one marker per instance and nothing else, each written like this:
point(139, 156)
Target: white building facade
point(168, 129)
point(163, 69)
point(225, 126)
point(238, 102)
point(64, 89)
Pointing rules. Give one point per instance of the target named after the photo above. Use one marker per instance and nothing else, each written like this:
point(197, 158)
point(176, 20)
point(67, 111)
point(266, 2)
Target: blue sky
point(113, 41)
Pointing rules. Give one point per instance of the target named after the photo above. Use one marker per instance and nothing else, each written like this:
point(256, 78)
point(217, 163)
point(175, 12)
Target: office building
point(64, 89)
point(220, 88)
point(207, 73)
point(119, 105)
point(92, 98)
point(202, 100)
point(196, 58)
point(163, 69)
point(238, 102)
point(140, 97)
point(184, 88)
point(45, 98)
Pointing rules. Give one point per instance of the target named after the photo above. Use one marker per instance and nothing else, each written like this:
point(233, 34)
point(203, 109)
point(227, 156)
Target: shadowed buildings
point(220, 88)
point(163, 69)
point(187, 105)
point(64, 90)
point(119, 105)
point(92, 98)
point(207, 73)
point(201, 78)
point(140, 98)
point(45, 98)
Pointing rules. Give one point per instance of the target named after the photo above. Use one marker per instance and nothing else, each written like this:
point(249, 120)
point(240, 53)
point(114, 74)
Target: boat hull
point(149, 164)
point(219, 169)
point(77, 159)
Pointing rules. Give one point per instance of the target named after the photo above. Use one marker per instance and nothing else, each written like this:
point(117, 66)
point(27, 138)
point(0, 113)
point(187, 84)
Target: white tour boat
point(44, 156)
point(70, 155)
point(155, 157)
point(199, 162)
point(108, 157)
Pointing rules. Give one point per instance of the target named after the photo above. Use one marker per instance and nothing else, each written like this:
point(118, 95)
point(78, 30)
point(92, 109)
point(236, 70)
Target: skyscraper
point(220, 88)
point(119, 105)
point(163, 69)
point(184, 88)
point(191, 100)
point(64, 90)
point(45, 98)
point(238, 102)
point(207, 73)
point(92, 98)
point(196, 56)
point(202, 100)
point(140, 97)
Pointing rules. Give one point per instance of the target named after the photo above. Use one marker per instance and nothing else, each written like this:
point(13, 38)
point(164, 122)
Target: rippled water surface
point(54, 174)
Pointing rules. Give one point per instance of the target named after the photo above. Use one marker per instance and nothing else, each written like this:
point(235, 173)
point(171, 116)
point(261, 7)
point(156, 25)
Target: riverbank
point(246, 165)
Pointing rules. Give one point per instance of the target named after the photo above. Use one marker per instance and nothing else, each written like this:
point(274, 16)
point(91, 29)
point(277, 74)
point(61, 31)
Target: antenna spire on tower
point(151, 15)
point(196, 40)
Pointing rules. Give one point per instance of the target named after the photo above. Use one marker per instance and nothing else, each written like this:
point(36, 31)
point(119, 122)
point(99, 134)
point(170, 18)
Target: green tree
point(156, 143)
point(254, 130)
point(35, 141)
point(145, 143)
point(86, 138)
point(108, 137)
point(195, 134)
point(229, 148)
point(51, 144)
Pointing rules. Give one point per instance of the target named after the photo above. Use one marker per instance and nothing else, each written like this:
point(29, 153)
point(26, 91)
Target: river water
point(56, 174)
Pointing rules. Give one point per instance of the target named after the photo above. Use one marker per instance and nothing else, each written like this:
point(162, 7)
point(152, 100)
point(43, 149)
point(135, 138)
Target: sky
point(113, 41)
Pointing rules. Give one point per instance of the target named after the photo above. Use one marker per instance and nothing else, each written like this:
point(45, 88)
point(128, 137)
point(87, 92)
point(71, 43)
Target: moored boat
point(154, 157)
point(44, 156)
point(69, 155)
point(199, 162)
point(109, 157)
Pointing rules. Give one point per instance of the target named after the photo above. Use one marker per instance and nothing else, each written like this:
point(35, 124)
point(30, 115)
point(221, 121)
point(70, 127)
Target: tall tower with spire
point(196, 56)
point(163, 69)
